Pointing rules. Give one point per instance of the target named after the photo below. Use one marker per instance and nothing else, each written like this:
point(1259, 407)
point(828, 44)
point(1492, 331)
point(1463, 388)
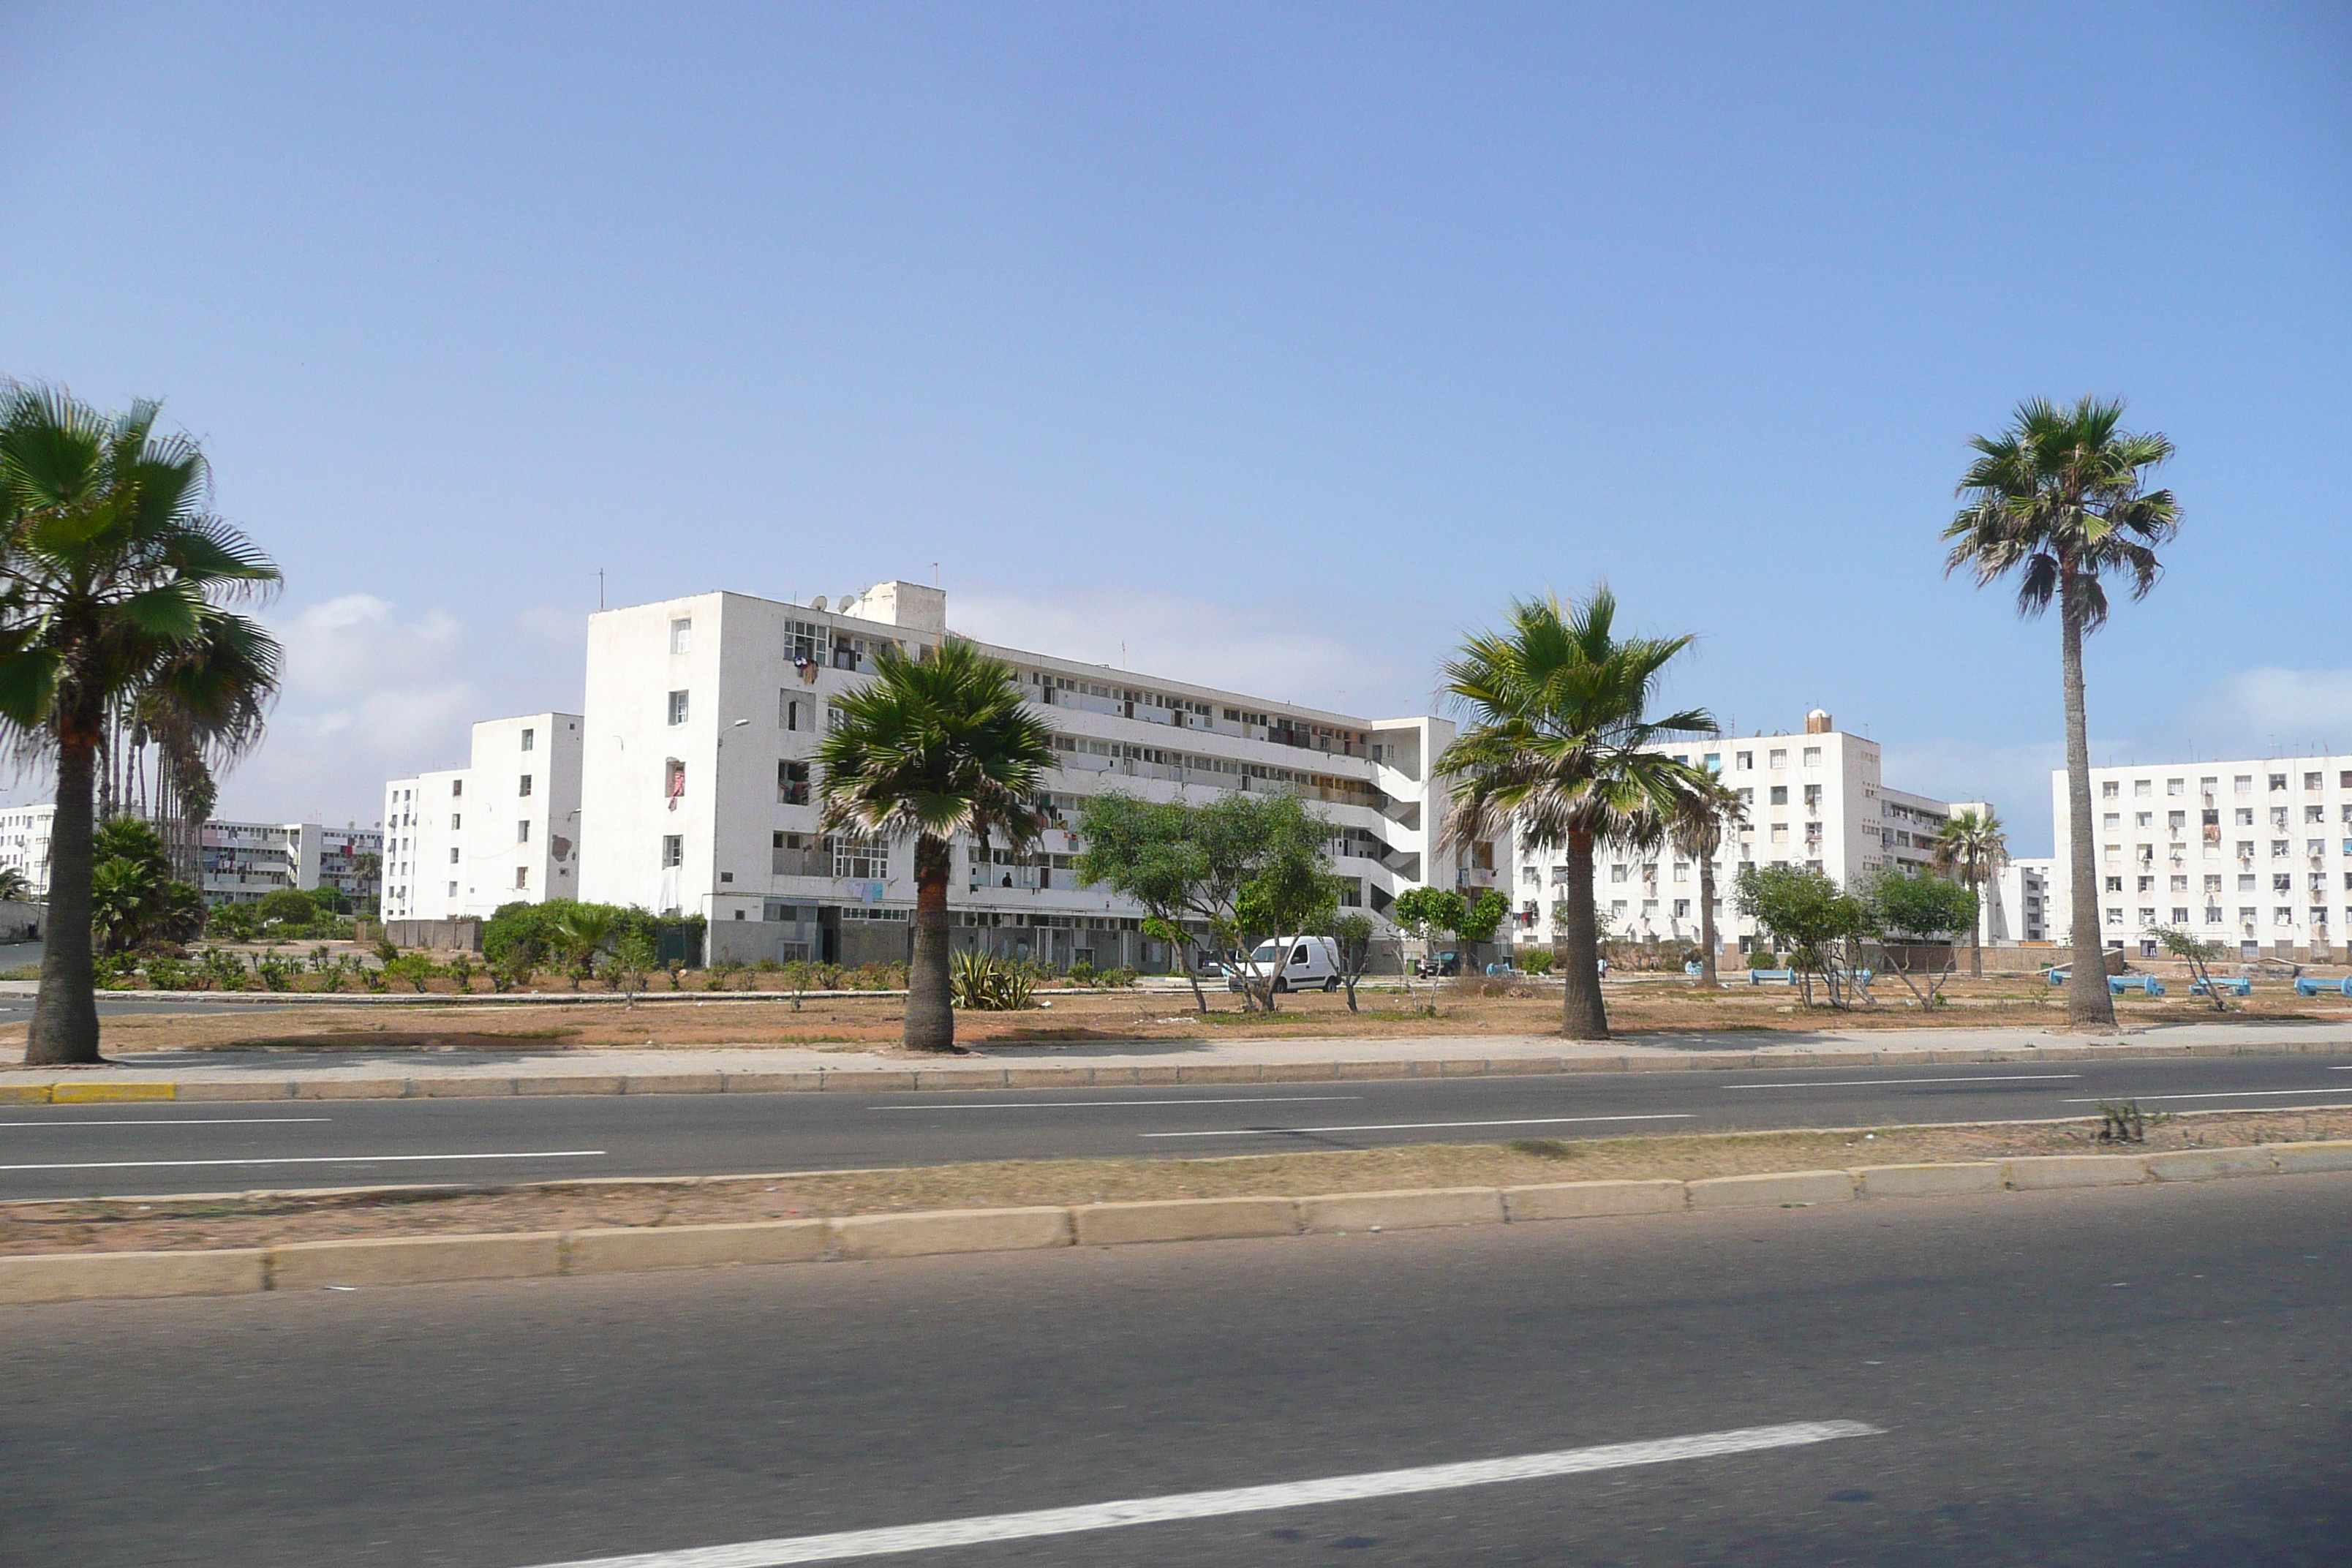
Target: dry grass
point(120, 1226)
point(1659, 1007)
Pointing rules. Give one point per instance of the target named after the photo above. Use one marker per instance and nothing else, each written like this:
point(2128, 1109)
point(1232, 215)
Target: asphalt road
point(71, 1150)
point(2113, 1378)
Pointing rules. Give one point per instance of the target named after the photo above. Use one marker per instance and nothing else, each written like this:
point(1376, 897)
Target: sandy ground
point(864, 1023)
point(128, 1224)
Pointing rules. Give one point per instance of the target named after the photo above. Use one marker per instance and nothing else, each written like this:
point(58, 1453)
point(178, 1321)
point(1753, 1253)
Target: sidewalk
point(767, 1069)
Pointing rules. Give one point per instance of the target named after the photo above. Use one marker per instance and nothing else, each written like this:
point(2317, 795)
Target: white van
point(1297, 963)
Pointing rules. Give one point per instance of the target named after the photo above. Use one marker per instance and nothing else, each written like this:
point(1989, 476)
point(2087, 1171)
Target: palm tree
point(580, 931)
point(13, 887)
point(1558, 741)
point(114, 587)
point(1969, 847)
point(2057, 499)
point(1696, 830)
point(933, 746)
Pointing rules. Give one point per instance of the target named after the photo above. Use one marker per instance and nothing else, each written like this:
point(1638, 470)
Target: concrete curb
point(408, 1260)
point(894, 1080)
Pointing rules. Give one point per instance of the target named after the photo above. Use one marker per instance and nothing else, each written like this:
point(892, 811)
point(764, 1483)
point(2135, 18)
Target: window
point(2148, 884)
point(2278, 816)
point(1682, 909)
point(2241, 783)
point(2278, 849)
point(456, 787)
point(1617, 873)
point(673, 850)
point(1779, 794)
point(2180, 884)
point(788, 712)
point(792, 784)
point(522, 875)
point(2143, 819)
point(1812, 756)
point(681, 636)
point(2114, 884)
point(2176, 821)
point(1813, 797)
point(2180, 914)
point(526, 785)
point(1713, 762)
point(1780, 759)
point(522, 832)
point(834, 717)
point(530, 738)
point(1682, 870)
point(2111, 821)
point(678, 707)
point(453, 890)
point(2311, 781)
point(2212, 886)
point(673, 779)
point(453, 856)
point(2246, 884)
point(2283, 884)
point(2142, 789)
point(2176, 787)
point(861, 859)
point(456, 821)
point(2244, 817)
point(2314, 814)
point(1746, 760)
point(2109, 789)
point(2278, 781)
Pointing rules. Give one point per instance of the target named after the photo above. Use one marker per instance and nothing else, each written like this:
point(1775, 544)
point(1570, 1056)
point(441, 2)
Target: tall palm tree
point(2058, 499)
point(1558, 742)
point(934, 746)
point(1969, 847)
point(115, 583)
point(1703, 815)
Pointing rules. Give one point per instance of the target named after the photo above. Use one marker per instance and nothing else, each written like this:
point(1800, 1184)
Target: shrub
point(461, 970)
point(171, 974)
point(1122, 978)
point(222, 969)
point(233, 923)
point(275, 973)
point(1082, 973)
point(414, 968)
point(287, 907)
point(983, 983)
point(1536, 960)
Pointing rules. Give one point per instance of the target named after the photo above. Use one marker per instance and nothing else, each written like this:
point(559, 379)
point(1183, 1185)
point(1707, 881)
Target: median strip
point(419, 1259)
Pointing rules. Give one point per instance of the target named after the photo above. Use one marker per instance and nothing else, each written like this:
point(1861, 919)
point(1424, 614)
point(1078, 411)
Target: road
point(2128, 1377)
point(73, 1151)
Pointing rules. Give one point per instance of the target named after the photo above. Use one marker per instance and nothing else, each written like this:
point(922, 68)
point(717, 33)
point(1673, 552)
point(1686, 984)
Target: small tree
point(1426, 914)
point(1148, 851)
point(1479, 919)
point(1351, 934)
point(2198, 955)
point(1809, 914)
point(1908, 908)
point(633, 960)
point(1290, 896)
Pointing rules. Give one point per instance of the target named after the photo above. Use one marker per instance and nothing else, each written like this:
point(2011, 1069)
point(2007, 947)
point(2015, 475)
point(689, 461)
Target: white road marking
point(973, 1531)
point(1415, 1126)
point(177, 1121)
point(2235, 1094)
point(1064, 1104)
point(306, 1160)
point(1878, 1082)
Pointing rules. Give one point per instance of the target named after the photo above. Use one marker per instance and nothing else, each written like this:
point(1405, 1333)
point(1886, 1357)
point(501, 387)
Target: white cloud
point(2014, 779)
point(1270, 649)
point(2271, 711)
point(366, 697)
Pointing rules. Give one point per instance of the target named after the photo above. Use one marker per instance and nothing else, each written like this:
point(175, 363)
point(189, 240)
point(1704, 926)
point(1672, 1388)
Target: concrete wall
point(447, 936)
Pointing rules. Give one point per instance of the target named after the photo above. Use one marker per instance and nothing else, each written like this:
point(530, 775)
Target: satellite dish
point(817, 603)
point(845, 601)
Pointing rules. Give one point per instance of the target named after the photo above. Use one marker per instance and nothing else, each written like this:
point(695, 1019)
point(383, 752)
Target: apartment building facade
point(2016, 904)
point(505, 829)
point(1815, 799)
point(698, 791)
point(237, 862)
point(2256, 855)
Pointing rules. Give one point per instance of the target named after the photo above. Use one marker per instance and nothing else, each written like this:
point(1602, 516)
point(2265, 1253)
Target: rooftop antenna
point(599, 587)
point(935, 573)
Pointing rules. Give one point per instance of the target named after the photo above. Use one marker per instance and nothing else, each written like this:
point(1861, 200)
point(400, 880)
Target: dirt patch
point(547, 1039)
point(268, 1219)
point(1637, 1010)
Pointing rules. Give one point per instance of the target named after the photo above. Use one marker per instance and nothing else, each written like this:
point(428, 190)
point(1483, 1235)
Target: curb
point(888, 1080)
point(411, 1261)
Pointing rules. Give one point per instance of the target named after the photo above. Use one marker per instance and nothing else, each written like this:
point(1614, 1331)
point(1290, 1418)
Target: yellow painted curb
point(25, 1093)
point(106, 1093)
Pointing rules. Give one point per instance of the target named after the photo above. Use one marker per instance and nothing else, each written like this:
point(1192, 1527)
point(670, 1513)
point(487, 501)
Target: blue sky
point(1275, 345)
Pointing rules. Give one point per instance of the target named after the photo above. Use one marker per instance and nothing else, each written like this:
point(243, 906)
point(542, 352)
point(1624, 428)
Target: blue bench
point(2056, 976)
point(1771, 977)
point(2148, 983)
point(2239, 987)
point(2304, 985)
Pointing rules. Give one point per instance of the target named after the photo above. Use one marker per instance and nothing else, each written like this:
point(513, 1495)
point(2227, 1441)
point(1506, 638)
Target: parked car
point(1297, 963)
point(1435, 965)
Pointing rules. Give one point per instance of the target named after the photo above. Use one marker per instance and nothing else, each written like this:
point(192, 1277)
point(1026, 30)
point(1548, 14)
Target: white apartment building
point(1814, 800)
point(505, 829)
point(697, 796)
point(2016, 904)
point(2256, 855)
point(237, 862)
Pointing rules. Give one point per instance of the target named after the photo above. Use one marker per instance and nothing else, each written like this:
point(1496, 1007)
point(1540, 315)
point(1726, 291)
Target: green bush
point(287, 907)
point(171, 974)
point(233, 923)
point(222, 969)
point(1082, 973)
point(1121, 978)
point(1536, 960)
point(983, 983)
point(414, 968)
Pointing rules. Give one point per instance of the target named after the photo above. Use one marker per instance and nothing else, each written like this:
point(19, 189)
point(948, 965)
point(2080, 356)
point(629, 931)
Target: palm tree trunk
point(64, 1013)
point(931, 1015)
point(1584, 1016)
point(1707, 933)
point(2088, 1002)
